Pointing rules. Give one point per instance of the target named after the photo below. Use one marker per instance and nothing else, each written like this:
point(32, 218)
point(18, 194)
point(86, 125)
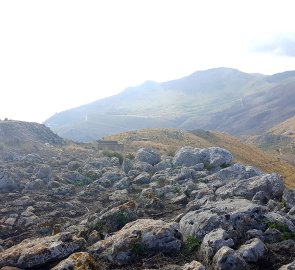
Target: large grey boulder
point(137, 238)
point(234, 172)
point(236, 216)
point(186, 156)
point(252, 250)
point(115, 218)
point(40, 251)
point(215, 157)
point(271, 184)
point(148, 155)
point(8, 181)
point(226, 258)
point(213, 241)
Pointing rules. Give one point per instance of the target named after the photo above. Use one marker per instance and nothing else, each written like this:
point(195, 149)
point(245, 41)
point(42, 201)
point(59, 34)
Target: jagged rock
point(143, 178)
point(194, 265)
point(226, 258)
point(124, 183)
point(148, 155)
point(165, 163)
point(78, 261)
point(127, 165)
point(115, 218)
point(272, 236)
point(142, 167)
point(8, 181)
point(215, 157)
point(289, 197)
point(40, 251)
point(271, 184)
point(252, 250)
point(181, 199)
point(212, 242)
point(186, 156)
point(109, 178)
point(137, 238)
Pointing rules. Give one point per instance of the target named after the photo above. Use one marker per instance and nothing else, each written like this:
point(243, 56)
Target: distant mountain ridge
point(221, 98)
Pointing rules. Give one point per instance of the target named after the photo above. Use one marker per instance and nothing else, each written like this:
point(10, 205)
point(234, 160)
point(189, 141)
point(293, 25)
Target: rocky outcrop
point(137, 238)
point(40, 251)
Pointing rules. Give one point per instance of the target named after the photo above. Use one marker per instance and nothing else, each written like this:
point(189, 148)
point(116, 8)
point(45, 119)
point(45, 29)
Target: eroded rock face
point(136, 238)
point(37, 252)
point(271, 184)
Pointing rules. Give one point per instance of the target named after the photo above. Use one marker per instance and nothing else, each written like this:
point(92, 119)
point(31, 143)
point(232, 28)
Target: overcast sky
point(59, 54)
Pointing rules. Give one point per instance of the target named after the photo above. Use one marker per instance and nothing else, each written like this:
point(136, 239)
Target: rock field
point(195, 210)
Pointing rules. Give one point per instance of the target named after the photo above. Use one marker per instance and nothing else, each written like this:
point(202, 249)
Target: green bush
point(110, 154)
point(192, 244)
point(284, 229)
point(139, 249)
point(121, 218)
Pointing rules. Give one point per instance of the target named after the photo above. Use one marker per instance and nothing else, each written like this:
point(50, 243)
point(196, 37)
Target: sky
point(60, 54)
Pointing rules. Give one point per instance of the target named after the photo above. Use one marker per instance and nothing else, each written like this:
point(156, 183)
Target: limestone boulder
point(137, 238)
point(40, 251)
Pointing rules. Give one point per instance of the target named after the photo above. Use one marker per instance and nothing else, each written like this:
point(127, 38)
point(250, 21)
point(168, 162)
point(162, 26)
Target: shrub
point(114, 154)
point(121, 218)
point(139, 249)
point(192, 244)
point(284, 229)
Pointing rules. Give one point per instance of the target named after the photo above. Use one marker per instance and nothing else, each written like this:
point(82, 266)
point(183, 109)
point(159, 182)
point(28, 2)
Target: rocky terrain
point(78, 208)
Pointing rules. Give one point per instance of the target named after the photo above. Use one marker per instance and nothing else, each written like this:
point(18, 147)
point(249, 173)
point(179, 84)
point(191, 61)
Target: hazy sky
point(59, 54)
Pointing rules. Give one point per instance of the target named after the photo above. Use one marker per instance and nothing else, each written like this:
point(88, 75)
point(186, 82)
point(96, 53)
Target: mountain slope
point(169, 140)
point(221, 98)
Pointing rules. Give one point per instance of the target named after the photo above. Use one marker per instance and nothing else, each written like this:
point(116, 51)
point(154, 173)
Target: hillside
point(221, 99)
point(170, 140)
point(22, 136)
point(152, 104)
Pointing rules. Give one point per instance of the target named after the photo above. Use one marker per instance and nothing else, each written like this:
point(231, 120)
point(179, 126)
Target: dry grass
point(286, 126)
point(169, 140)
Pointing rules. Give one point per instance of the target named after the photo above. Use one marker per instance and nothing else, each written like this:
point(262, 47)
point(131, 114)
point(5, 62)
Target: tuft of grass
point(192, 244)
point(111, 154)
point(139, 249)
point(121, 218)
point(284, 229)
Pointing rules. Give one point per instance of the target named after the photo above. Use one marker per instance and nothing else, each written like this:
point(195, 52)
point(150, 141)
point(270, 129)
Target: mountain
point(221, 98)
point(168, 141)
